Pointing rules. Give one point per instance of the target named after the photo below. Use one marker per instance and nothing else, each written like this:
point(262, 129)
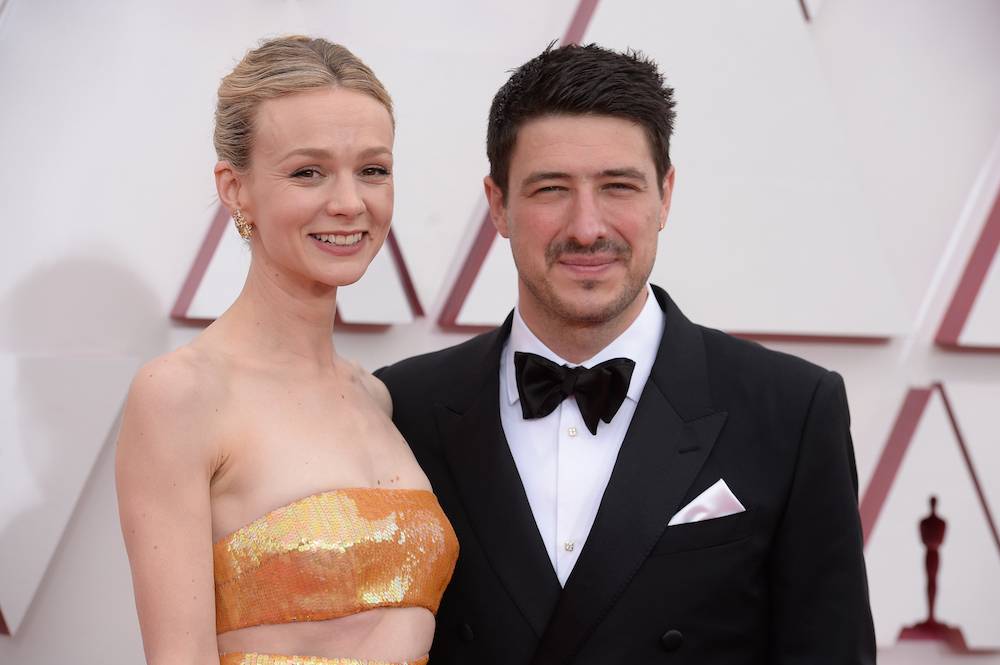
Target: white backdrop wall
point(834, 176)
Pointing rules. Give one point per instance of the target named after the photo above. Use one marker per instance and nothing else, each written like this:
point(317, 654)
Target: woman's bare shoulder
point(178, 379)
point(375, 388)
point(172, 399)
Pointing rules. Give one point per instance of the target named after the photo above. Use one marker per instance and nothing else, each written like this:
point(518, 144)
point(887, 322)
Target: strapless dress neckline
point(307, 497)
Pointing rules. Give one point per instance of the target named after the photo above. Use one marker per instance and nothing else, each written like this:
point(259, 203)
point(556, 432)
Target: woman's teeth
point(337, 239)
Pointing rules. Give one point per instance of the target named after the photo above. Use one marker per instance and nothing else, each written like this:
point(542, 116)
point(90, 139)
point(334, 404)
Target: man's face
point(582, 214)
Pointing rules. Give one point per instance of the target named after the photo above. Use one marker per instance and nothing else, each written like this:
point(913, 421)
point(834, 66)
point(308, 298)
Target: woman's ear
point(229, 185)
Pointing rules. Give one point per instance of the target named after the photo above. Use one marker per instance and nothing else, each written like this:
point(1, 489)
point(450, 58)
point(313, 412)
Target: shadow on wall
point(82, 305)
point(71, 334)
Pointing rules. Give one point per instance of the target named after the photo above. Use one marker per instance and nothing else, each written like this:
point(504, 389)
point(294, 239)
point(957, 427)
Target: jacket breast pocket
point(704, 534)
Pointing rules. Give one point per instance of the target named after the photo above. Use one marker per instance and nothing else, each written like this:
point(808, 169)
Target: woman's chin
point(338, 279)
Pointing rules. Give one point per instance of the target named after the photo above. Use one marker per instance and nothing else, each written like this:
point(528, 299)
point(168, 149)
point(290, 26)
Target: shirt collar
point(640, 342)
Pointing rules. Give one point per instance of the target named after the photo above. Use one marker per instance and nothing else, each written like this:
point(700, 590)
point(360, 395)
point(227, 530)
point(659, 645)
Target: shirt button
point(672, 640)
point(571, 431)
point(569, 545)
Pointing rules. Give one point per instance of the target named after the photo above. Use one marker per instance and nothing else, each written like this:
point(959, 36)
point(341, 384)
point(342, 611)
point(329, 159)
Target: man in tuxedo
point(626, 486)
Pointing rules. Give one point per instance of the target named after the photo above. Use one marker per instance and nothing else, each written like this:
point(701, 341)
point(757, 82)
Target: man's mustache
point(571, 247)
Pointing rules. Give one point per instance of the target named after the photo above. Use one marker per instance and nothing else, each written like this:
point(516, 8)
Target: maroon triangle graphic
point(884, 475)
point(213, 236)
point(874, 499)
point(969, 286)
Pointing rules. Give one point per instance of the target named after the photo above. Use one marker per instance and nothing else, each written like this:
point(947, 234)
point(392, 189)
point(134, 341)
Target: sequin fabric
point(334, 554)
point(267, 659)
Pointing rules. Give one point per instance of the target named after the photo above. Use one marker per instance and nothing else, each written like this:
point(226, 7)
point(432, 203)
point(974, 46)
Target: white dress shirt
point(565, 468)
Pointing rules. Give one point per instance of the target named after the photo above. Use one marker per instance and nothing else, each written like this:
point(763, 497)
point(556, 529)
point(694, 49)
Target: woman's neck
point(283, 318)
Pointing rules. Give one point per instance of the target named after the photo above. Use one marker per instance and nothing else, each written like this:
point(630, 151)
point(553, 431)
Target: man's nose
point(586, 221)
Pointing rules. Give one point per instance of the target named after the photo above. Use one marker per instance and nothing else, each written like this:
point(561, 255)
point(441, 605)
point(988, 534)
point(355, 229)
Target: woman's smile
point(340, 244)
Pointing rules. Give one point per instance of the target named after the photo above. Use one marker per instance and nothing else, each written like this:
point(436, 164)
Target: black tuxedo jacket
point(783, 582)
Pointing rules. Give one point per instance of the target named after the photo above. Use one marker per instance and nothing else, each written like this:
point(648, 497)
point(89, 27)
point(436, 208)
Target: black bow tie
point(599, 390)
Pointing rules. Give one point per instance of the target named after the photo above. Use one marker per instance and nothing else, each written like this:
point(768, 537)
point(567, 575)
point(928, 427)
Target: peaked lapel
point(490, 488)
point(671, 435)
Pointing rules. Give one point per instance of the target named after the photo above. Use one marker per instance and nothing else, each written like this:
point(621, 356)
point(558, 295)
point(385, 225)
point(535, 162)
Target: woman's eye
point(375, 171)
point(306, 173)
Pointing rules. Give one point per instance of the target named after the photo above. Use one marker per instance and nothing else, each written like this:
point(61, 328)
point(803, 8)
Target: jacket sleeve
point(819, 590)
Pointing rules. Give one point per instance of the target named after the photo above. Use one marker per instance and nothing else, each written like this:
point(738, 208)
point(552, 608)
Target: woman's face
point(319, 188)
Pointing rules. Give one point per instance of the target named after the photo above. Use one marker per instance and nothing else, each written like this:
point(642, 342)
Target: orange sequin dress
point(330, 555)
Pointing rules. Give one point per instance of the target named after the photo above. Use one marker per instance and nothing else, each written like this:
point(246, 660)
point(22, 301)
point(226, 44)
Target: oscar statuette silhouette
point(932, 531)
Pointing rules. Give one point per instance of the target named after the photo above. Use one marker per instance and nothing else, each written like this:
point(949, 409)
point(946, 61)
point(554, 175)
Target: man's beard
point(566, 310)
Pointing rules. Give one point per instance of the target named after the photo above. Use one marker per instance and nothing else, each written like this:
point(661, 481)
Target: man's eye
point(306, 173)
point(620, 186)
point(549, 188)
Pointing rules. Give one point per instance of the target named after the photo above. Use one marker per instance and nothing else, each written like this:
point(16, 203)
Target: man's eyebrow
point(625, 172)
point(538, 176)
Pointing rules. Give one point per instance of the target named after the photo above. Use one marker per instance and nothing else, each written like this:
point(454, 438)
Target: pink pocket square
point(717, 501)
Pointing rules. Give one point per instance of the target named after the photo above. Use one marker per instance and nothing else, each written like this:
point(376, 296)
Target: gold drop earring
point(243, 226)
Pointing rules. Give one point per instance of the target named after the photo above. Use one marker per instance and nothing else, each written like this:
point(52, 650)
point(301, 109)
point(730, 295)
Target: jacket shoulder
point(440, 368)
point(739, 364)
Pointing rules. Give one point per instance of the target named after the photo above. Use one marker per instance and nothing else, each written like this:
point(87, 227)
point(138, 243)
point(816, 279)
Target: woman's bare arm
point(163, 469)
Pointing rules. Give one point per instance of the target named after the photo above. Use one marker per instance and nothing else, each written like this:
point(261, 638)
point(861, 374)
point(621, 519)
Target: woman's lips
point(340, 244)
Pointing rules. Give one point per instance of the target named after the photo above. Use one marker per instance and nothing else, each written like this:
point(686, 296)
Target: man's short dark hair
point(581, 80)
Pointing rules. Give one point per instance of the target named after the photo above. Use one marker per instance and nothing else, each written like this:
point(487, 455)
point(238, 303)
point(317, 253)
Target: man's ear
point(498, 210)
point(228, 184)
point(668, 191)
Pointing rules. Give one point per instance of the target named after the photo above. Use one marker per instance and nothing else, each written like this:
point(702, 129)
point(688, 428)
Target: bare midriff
point(390, 634)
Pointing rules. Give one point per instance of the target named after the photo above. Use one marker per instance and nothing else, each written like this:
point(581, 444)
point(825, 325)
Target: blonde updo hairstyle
point(279, 67)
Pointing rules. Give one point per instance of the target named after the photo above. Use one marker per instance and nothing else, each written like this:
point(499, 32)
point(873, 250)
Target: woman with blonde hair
point(271, 511)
